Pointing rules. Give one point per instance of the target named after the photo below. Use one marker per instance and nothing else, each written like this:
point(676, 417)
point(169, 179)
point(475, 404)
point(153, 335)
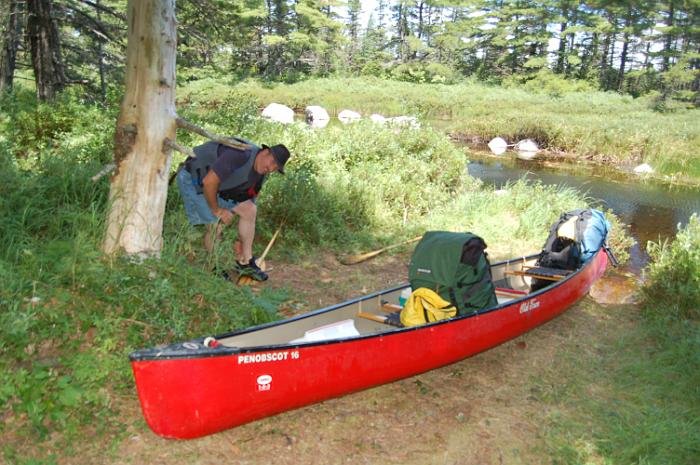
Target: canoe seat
point(540, 272)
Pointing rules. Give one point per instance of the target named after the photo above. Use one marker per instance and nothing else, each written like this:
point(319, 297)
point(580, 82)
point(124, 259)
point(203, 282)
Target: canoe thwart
point(380, 319)
point(390, 308)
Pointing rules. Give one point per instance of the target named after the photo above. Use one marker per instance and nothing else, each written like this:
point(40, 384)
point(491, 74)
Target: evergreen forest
point(634, 47)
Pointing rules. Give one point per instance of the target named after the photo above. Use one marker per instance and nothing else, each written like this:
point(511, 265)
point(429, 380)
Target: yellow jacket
point(424, 306)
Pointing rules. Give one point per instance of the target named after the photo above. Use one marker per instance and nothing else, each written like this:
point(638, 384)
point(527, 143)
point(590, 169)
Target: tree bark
point(146, 119)
point(45, 49)
point(10, 43)
point(100, 57)
point(670, 37)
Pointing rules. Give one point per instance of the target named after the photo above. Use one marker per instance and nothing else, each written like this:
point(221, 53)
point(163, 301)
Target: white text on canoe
point(278, 356)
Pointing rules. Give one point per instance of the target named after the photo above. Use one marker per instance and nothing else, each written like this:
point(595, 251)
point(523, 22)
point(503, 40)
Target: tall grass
point(603, 126)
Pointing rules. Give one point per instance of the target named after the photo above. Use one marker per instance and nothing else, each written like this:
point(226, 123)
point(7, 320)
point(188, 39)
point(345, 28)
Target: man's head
point(272, 159)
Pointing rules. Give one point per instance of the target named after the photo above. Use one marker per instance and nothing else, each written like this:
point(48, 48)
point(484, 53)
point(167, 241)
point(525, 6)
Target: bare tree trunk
point(146, 119)
point(45, 48)
point(10, 43)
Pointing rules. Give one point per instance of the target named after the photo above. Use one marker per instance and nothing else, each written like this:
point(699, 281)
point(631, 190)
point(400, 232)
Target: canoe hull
point(190, 396)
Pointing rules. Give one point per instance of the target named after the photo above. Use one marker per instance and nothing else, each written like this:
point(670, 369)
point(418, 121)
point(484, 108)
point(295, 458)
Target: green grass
point(603, 126)
point(69, 316)
point(635, 397)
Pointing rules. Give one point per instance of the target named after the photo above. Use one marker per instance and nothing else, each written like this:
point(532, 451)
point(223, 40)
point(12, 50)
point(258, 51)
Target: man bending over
point(222, 182)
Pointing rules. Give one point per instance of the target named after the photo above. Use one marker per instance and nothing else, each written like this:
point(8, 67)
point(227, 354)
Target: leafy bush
point(547, 82)
point(358, 181)
point(673, 287)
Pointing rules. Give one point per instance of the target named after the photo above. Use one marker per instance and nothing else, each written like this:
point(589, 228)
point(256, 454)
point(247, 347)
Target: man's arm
point(210, 189)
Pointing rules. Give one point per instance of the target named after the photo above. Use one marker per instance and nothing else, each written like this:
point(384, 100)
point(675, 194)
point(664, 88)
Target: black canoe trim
point(195, 348)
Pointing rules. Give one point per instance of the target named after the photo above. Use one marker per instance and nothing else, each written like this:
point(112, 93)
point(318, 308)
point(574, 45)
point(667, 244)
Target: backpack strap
point(471, 290)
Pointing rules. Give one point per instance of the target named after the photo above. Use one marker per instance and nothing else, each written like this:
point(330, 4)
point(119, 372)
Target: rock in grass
point(278, 113)
point(316, 116)
point(644, 168)
point(348, 116)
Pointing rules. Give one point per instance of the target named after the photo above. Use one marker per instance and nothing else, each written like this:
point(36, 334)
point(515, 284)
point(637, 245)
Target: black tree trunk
point(45, 49)
point(10, 43)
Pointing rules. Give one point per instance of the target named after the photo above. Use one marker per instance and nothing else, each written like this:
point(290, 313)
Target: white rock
point(498, 145)
point(348, 116)
point(316, 116)
point(278, 113)
point(377, 118)
point(527, 149)
point(644, 168)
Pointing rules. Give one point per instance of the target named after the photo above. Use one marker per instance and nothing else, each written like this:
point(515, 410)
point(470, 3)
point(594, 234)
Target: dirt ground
point(482, 411)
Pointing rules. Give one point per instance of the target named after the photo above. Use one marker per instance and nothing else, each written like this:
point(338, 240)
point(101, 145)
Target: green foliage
point(69, 125)
point(423, 72)
point(635, 396)
point(552, 84)
point(336, 187)
point(673, 287)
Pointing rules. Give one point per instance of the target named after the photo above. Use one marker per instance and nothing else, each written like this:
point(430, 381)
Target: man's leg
point(247, 212)
point(244, 246)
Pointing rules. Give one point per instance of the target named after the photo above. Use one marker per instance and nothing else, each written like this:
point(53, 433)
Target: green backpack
point(456, 267)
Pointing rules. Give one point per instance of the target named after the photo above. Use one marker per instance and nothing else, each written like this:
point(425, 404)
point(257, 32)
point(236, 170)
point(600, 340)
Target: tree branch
point(180, 148)
point(103, 172)
point(184, 124)
point(104, 9)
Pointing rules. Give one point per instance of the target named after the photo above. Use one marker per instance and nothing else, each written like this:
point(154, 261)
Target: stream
point(652, 209)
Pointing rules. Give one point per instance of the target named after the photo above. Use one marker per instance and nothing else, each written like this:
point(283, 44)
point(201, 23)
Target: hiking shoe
point(251, 269)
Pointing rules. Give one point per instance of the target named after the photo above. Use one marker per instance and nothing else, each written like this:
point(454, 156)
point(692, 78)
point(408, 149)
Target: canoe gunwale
point(197, 349)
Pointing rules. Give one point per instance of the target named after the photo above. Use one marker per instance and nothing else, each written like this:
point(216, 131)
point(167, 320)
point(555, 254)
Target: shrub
point(673, 287)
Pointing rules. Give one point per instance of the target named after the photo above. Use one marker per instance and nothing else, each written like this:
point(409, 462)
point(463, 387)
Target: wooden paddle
point(353, 259)
point(247, 280)
point(261, 261)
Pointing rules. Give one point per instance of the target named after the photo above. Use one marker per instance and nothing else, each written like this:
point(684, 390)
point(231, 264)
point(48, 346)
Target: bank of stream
point(652, 209)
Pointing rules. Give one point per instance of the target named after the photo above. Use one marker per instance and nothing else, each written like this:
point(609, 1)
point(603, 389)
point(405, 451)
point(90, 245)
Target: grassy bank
point(633, 396)
point(69, 316)
point(601, 126)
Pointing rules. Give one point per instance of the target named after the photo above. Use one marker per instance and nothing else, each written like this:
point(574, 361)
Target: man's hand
point(226, 216)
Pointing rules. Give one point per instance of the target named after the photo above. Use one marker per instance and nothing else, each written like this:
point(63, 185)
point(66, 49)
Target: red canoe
point(207, 385)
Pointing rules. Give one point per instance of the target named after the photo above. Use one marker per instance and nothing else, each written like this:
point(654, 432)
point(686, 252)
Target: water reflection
point(652, 210)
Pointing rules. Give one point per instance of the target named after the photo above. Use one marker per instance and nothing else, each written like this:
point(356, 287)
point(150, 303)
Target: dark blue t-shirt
point(229, 160)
